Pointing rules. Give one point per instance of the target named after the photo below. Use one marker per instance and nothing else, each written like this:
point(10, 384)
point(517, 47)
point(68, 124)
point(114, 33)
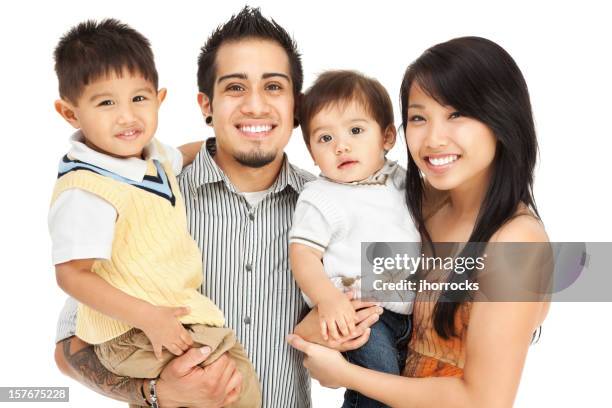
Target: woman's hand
point(324, 364)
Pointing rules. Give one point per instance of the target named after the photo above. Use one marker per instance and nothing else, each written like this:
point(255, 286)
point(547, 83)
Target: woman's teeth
point(441, 161)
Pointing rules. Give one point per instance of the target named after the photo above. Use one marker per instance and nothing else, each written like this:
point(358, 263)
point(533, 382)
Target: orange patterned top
point(430, 355)
point(511, 267)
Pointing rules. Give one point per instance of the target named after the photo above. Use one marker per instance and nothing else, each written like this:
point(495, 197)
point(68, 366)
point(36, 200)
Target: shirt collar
point(288, 177)
point(132, 168)
point(390, 171)
point(204, 170)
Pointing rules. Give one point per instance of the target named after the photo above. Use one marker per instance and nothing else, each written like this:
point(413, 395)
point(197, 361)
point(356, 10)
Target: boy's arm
point(190, 151)
point(309, 273)
point(334, 307)
point(76, 279)
point(159, 324)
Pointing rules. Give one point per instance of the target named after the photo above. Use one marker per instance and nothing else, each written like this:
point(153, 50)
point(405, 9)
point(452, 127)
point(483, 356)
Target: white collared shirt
point(336, 218)
point(82, 224)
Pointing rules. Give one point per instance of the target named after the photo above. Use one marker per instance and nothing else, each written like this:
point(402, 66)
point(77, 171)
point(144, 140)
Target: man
point(240, 193)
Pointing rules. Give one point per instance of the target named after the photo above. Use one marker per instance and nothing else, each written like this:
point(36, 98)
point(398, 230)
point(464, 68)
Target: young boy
point(117, 220)
point(347, 124)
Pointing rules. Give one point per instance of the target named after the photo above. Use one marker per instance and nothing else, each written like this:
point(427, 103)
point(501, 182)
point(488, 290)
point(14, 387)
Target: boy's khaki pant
point(131, 355)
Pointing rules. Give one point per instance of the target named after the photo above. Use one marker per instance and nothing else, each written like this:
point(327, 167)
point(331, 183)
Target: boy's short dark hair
point(341, 87)
point(247, 24)
point(91, 50)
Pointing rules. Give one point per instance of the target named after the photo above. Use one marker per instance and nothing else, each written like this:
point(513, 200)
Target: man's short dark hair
point(340, 88)
point(249, 23)
point(92, 50)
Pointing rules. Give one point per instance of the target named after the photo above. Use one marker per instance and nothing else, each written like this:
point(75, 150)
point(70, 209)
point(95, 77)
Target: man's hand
point(183, 383)
point(367, 314)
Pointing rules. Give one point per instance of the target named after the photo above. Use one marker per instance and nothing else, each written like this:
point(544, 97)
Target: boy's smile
point(116, 114)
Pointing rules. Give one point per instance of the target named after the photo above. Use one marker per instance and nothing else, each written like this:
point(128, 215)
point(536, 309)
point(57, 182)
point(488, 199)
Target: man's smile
point(255, 130)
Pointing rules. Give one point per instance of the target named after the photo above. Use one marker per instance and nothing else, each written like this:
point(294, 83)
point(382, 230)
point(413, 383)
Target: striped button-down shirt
point(246, 269)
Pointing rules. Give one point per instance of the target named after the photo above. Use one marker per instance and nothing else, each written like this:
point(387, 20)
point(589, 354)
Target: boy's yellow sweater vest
point(153, 256)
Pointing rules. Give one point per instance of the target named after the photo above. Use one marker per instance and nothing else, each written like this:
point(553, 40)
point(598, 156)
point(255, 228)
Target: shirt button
point(248, 267)
point(247, 320)
point(251, 216)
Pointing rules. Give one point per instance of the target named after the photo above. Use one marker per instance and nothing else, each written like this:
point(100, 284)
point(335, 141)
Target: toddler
point(347, 124)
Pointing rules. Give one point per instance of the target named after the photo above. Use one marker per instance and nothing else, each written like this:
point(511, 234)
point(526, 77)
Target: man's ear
point(161, 95)
point(297, 104)
point(204, 104)
point(67, 111)
point(389, 136)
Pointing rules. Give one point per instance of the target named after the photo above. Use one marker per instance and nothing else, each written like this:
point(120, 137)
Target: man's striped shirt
point(246, 269)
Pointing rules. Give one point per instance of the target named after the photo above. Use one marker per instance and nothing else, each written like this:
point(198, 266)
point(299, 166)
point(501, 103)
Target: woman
point(470, 133)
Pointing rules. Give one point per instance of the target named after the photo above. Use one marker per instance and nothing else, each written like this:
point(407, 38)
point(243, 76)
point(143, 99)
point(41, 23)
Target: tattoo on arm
point(95, 376)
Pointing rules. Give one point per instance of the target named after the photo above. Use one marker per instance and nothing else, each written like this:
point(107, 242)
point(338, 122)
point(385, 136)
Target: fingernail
point(380, 310)
point(205, 350)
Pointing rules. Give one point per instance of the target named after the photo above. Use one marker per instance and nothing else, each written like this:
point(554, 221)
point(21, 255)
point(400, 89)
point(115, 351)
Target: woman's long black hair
point(480, 79)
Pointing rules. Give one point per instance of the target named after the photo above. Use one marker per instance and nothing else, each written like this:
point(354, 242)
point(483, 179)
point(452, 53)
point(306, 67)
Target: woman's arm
point(497, 341)
point(490, 377)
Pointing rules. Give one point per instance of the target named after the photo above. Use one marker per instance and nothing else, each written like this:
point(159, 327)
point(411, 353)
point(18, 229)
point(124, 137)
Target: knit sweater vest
point(153, 256)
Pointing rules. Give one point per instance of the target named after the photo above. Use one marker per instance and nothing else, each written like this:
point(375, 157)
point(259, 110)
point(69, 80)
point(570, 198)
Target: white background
point(562, 49)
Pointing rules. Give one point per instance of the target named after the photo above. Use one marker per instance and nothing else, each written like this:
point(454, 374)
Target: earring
point(296, 123)
point(208, 120)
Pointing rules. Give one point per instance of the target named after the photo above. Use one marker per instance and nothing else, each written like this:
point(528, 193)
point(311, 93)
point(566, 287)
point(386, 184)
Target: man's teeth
point(256, 129)
point(441, 161)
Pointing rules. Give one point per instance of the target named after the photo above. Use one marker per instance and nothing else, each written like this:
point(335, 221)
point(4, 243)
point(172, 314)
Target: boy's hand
point(163, 329)
point(336, 316)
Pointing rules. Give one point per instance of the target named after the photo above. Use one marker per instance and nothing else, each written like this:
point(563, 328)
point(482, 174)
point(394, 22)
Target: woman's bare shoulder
point(524, 226)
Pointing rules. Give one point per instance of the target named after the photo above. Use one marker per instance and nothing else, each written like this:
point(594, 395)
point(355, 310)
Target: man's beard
point(255, 158)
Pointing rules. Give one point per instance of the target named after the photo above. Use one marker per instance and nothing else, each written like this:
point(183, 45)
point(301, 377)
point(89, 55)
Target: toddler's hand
point(165, 330)
point(336, 316)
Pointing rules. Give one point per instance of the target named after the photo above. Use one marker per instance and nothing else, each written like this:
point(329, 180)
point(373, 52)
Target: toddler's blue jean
point(385, 351)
